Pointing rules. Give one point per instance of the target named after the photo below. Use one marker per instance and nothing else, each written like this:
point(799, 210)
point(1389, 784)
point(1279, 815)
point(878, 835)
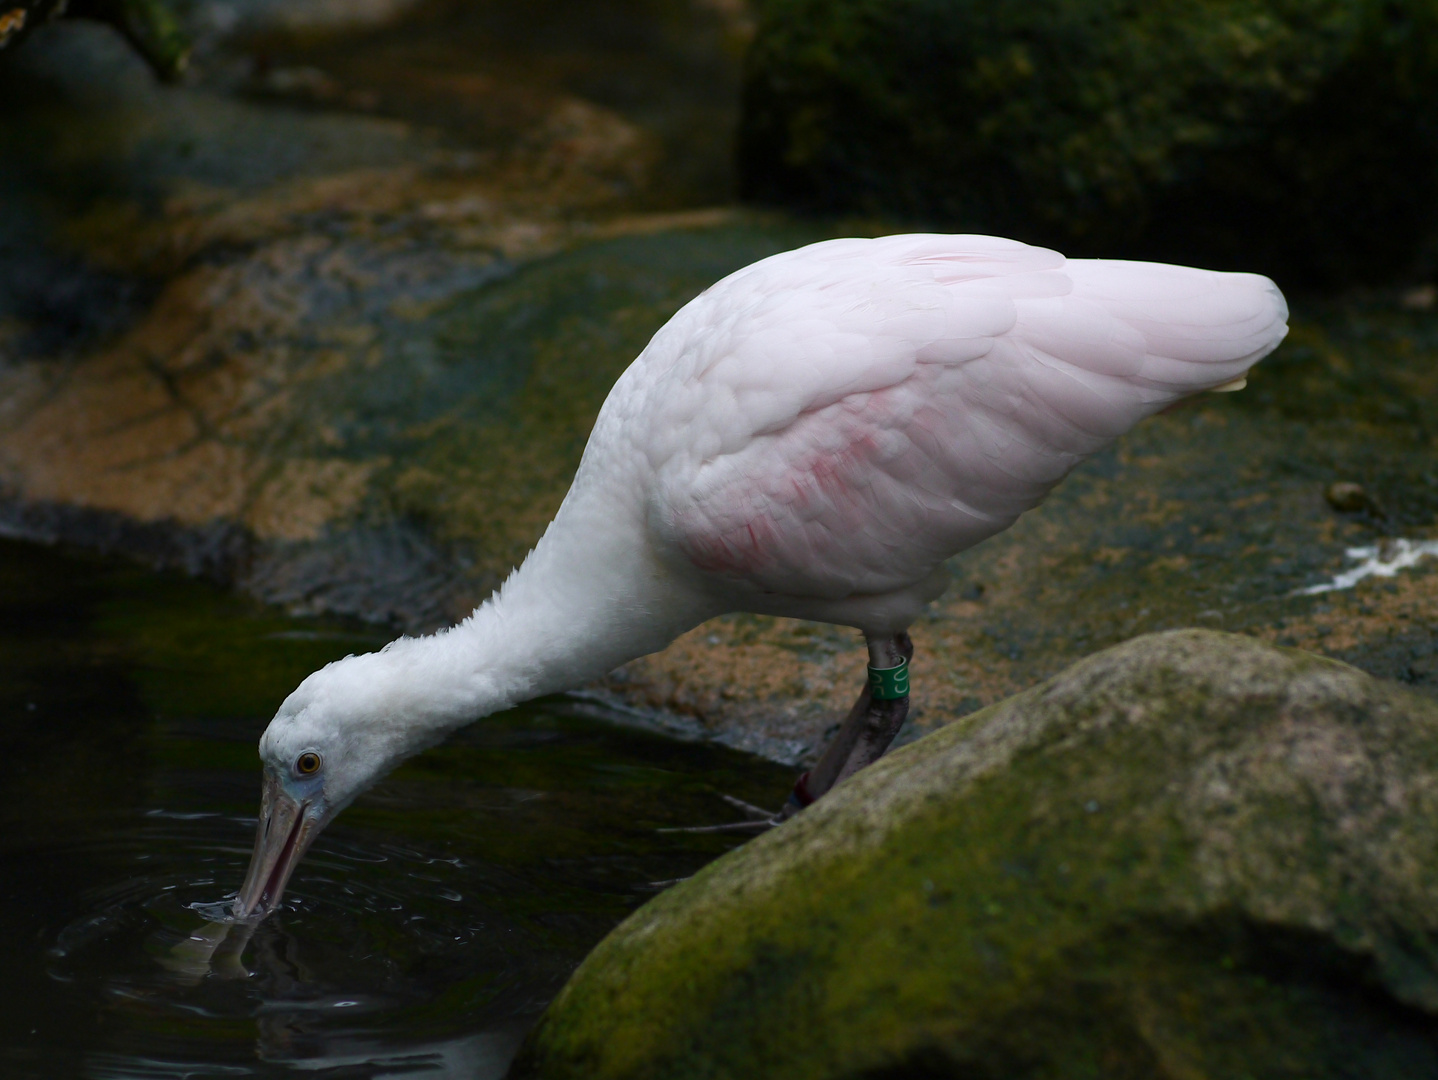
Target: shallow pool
point(422, 934)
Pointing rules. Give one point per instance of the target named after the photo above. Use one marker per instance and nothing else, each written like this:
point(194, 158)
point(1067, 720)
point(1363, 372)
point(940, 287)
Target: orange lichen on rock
point(11, 23)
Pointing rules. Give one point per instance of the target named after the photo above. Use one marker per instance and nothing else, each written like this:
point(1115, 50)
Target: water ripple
point(357, 955)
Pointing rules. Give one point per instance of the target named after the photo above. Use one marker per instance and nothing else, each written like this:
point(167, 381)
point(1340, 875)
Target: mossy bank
point(1191, 855)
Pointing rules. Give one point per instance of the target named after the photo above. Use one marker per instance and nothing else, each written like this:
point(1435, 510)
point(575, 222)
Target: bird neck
point(589, 597)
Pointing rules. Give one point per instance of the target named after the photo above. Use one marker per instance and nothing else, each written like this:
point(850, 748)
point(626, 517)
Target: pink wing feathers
point(838, 420)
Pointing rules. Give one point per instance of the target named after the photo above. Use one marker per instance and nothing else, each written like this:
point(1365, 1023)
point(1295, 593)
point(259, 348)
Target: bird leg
point(861, 739)
point(870, 726)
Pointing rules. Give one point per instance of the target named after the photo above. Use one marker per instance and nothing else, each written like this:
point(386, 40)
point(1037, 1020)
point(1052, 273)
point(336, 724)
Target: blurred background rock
point(150, 26)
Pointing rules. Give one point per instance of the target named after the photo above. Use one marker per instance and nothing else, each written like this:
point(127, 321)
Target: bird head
point(331, 739)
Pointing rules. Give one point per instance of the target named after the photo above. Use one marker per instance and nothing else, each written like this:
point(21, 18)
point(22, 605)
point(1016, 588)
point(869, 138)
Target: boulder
point(1296, 139)
point(1192, 855)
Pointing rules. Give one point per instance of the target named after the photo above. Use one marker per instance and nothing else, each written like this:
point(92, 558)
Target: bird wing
point(839, 419)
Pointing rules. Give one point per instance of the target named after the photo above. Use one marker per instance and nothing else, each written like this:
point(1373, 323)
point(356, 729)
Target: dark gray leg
point(861, 740)
point(865, 733)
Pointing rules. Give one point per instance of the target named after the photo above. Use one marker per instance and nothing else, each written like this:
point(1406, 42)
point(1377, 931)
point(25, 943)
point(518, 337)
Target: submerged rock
point(1191, 855)
point(1287, 138)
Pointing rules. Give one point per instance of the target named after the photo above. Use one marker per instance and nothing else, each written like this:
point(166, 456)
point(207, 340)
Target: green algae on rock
point(1288, 138)
point(1191, 855)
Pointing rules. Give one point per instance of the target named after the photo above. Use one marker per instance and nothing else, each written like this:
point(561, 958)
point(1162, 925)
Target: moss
point(1292, 138)
point(1191, 855)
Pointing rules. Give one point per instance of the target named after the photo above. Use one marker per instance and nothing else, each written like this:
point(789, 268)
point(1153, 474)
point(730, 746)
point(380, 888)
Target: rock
point(150, 26)
point(1193, 855)
point(329, 358)
point(1349, 498)
point(1286, 138)
point(1420, 297)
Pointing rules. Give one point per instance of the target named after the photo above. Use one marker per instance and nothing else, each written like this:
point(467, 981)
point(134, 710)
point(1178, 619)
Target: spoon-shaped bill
point(285, 830)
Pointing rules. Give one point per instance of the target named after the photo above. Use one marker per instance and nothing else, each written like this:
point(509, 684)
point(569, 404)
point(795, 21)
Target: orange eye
point(308, 763)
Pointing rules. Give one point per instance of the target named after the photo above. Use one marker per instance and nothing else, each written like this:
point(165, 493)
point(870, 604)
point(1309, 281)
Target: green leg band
point(889, 684)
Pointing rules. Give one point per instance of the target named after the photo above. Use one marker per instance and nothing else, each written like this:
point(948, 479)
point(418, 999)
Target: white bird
point(810, 437)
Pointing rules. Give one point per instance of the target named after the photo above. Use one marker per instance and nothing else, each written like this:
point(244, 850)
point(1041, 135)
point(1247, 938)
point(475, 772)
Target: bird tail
point(1200, 329)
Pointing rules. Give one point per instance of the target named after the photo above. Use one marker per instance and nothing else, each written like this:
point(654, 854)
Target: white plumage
point(812, 437)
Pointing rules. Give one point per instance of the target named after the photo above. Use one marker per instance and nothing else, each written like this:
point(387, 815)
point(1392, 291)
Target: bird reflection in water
point(217, 948)
point(292, 1022)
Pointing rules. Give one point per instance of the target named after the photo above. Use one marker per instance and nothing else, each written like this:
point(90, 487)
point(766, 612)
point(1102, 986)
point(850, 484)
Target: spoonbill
point(810, 437)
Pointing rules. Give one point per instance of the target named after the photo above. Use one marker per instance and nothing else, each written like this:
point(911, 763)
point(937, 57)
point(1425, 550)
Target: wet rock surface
point(1191, 855)
point(323, 353)
point(331, 321)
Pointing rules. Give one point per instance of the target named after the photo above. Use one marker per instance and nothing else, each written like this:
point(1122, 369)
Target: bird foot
point(759, 820)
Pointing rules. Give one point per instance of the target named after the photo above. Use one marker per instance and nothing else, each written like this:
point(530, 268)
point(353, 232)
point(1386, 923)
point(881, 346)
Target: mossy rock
point(1192, 855)
point(1299, 139)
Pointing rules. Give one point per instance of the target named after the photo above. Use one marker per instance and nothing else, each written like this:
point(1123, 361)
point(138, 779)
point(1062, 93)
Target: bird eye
point(308, 763)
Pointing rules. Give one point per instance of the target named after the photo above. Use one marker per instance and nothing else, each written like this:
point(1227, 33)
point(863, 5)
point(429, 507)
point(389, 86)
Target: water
point(422, 934)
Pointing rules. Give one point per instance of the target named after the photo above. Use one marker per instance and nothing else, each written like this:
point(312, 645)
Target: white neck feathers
point(590, 596)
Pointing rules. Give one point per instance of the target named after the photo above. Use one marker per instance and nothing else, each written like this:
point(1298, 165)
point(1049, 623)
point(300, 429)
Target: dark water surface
point(421, 935)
